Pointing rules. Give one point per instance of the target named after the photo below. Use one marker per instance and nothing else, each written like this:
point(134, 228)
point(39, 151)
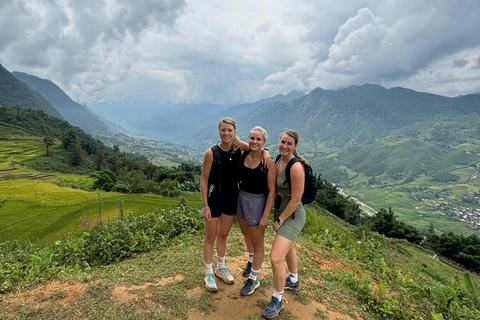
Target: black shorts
point(225, 202)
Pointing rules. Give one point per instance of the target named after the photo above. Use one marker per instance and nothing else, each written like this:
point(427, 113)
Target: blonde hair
point(295, 136)
point(236, 139)
point(261, 130)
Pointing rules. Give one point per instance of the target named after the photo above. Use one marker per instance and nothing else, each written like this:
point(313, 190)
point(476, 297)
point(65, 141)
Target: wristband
point(280, 221)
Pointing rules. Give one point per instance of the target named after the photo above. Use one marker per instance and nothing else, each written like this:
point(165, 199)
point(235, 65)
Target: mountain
point(71, 111)
point(15, 92)
point(242, 109)
point(329, 120)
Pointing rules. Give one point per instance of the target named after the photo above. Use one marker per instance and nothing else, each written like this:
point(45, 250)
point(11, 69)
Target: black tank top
point(230, 162)
point(252, 180)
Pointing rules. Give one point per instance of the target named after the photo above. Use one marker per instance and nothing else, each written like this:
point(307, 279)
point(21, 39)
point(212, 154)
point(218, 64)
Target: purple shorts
point(251, 206)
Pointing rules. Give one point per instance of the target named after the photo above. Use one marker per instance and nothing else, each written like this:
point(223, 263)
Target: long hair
point(236, 139)
point(294, 135)
point(261, 130)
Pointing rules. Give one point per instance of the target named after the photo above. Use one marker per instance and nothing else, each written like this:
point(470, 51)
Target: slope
point(70, 110)
point(15, 92)
point(343, 277)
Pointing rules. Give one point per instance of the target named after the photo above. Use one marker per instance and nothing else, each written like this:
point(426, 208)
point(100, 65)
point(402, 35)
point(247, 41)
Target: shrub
point(115, 240)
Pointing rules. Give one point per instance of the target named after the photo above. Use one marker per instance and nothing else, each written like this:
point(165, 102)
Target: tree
point(48, 143)
point(106, 180)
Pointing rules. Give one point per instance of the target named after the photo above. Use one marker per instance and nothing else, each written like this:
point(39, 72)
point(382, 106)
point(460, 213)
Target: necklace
point(227, 152)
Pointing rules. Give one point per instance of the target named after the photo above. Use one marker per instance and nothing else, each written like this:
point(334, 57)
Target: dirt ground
point(57, 295)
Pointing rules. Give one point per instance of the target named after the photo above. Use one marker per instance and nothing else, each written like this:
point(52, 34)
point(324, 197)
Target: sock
point(221, 262)
point(208, 268)
point(254, 274)
point(277, 294)
point(293, 277)
point(250, 257)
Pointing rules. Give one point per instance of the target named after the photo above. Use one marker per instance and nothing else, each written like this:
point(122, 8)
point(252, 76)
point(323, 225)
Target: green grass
point(379, 278)
point(53, 217)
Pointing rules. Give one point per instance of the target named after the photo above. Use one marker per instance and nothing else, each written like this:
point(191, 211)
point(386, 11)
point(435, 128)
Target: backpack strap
point(244, 156)
point(287, 170)
point(216, 165)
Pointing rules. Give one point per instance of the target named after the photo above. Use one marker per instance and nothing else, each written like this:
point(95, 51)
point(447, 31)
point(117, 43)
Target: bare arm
point(207, 166)
point(272, 180)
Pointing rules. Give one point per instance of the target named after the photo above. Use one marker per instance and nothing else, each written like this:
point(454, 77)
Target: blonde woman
point(287, 226)
point(257, 192)
point(219, 188)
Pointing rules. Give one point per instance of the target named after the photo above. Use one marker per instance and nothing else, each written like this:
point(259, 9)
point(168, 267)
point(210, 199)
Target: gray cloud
point(91, 43)
point(459, 63)
point(217, 51)
point(477, 63)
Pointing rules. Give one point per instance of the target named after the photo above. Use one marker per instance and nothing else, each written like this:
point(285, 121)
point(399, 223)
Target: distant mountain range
point(329, 120)
point(15, 92)
point(176, 127)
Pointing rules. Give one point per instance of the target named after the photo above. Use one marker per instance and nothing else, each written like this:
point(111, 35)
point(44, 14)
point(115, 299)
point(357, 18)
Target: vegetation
point(15, 92)
point(79, 153)
point(348, 271)
point(104, 243)
point(462, 250)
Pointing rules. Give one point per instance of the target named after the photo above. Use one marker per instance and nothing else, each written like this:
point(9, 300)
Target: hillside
point(343, 277)
point(70, 110)
point(15, 92)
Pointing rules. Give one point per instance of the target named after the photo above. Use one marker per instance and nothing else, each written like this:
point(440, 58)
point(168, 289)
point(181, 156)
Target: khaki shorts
point(291, 228)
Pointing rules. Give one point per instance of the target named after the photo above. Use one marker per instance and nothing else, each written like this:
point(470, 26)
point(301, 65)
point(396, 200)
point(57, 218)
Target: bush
point(24, 264)
point(120, 187)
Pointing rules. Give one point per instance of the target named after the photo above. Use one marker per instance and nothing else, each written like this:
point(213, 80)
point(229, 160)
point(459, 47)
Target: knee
point(258, 247)
point(276, 260)
point(222, 235)
point(210, 239)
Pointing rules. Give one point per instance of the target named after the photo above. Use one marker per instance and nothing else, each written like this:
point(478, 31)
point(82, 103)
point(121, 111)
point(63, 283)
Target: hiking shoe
point(247, 270)
point(249, 287)
point(273, 308)
point(289, 285)
point(210, 283)
point(223, 274)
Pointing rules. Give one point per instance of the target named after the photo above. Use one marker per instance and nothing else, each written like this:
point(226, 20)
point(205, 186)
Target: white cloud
point(217, 51)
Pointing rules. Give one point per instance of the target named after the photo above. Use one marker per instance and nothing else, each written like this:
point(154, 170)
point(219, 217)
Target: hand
point(267, 160)
point(263, 223)
point(276, 226)
point(207, 214)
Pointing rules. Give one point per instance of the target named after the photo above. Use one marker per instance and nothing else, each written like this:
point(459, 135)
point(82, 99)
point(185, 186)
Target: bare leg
point(292, 260)
point(224, 226)
point(246, 233)
point(281, 246)
point(211, 228)
point(257, 234)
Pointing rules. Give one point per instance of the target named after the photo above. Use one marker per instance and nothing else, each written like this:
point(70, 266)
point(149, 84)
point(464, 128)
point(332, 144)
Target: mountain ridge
point(70, 110)
point(15, 92)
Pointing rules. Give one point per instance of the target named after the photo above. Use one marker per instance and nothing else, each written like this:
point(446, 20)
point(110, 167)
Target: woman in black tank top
point(219, 197)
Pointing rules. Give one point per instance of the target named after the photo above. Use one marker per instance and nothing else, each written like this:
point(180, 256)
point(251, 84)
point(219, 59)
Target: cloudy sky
point(195, 51)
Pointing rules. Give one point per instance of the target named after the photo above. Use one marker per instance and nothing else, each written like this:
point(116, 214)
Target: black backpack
point(310, 189)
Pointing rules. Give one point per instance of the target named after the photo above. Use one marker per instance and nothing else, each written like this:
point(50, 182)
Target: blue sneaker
point(273, 308)
point(249, 287)
point(210, 283)
point(247, 270)
point(289, 285)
